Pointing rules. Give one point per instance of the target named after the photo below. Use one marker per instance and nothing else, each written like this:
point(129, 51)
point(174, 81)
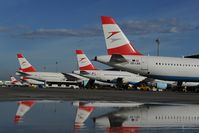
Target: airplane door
point(144, 66)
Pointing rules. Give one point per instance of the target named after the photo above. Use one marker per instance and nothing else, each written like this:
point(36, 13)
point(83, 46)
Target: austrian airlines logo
point(112, 33)
point(23, 63)
point(82, 59)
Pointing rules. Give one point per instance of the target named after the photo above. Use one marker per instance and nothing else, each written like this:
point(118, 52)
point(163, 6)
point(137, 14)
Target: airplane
point(88, 83)
point(137, 115)
point(84, 109)
point(122, 55)
point(15, 82)
point(87, 69)
point(49, 78)
point(26, 106)
point(32, 82)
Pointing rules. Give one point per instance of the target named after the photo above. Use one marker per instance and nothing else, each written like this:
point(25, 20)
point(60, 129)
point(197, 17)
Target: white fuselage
point(46, 76)
point(34, 82)
point(164, 68)
point(111, 76)
point(83, 78)
point(153, 116)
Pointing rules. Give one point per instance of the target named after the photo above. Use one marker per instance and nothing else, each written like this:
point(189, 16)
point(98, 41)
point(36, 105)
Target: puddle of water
point(97, 116)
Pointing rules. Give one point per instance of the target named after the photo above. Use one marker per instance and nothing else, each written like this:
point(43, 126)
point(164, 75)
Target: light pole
point(56, 65)
point(44, 67)
point(158, 46)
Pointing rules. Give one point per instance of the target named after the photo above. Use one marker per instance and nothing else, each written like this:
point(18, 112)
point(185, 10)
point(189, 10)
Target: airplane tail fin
point(116, 41)
point(13, 79)
point(83, 61)
point(25, 66)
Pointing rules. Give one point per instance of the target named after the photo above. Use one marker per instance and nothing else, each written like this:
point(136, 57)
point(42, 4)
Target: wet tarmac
point(25, 93)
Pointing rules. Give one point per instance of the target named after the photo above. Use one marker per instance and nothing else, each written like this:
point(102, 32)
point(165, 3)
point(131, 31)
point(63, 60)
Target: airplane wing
point(70, 77)
point(22, 73)
point(84, 73)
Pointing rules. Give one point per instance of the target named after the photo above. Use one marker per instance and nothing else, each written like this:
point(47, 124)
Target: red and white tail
point(25, 66)
point(83, 62)
point(24, 107)
point(13, 79)
point(116, 41)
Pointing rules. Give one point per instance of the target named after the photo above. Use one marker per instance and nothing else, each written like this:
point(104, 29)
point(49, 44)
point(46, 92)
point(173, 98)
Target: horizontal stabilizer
point(84, 73)
point(195, 56)
point(70, 77)
point(117, 58)
point(22, 73)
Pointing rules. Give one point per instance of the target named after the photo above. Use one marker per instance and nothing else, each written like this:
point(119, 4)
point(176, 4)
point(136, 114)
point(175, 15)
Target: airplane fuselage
point(46, 76)
point(164, 68)
point(111, 76)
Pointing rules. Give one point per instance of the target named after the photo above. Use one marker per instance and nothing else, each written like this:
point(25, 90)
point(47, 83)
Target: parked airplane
point(87, 83)
point(15, 82)
point(32, 81)
point(122, 55)
point(28, 71)
point(87, 69)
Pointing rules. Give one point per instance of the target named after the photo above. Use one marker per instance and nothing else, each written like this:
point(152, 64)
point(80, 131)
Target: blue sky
point(46, 31)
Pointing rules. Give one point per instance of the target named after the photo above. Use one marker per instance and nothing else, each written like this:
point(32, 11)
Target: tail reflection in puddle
point(97, 116)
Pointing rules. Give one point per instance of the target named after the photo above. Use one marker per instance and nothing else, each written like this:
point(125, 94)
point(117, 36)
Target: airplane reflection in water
point(25, 106)
point(116, 116)
point(141, 115)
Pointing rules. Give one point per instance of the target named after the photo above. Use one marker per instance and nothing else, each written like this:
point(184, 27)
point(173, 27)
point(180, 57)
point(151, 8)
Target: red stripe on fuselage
point(123, 50)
